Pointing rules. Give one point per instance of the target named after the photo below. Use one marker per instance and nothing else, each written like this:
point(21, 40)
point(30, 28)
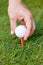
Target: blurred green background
point(11, 51)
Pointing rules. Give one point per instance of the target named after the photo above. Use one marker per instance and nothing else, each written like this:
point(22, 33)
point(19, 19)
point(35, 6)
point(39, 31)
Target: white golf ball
point(20, 31)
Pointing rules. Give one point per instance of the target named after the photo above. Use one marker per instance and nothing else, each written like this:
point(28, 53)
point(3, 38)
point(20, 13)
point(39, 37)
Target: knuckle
point(30, 14)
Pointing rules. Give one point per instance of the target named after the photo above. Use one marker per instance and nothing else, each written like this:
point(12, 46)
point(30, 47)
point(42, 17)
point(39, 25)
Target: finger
point(33, 27)
point(13, 25)
point(28, 26)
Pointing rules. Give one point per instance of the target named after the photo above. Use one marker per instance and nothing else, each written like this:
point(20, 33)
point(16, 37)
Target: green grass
point(11, 51)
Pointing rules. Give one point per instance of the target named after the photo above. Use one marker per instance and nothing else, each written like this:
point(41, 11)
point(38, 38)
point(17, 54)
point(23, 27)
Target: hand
point(19, 11)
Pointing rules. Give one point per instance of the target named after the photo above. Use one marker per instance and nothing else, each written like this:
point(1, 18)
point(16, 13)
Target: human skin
point(18, 11)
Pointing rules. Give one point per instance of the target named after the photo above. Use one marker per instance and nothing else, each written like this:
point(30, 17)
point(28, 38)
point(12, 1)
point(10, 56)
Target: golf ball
point(20, 31)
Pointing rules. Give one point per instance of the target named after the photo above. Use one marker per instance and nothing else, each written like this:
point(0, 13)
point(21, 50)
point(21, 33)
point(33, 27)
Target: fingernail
point(12, 32)
point(25, 38)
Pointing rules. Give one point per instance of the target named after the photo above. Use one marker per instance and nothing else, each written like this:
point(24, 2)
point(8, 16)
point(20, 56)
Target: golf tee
point(22, 42)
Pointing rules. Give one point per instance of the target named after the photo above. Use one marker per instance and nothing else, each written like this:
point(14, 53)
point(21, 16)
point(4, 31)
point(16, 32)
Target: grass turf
point(11, 51)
